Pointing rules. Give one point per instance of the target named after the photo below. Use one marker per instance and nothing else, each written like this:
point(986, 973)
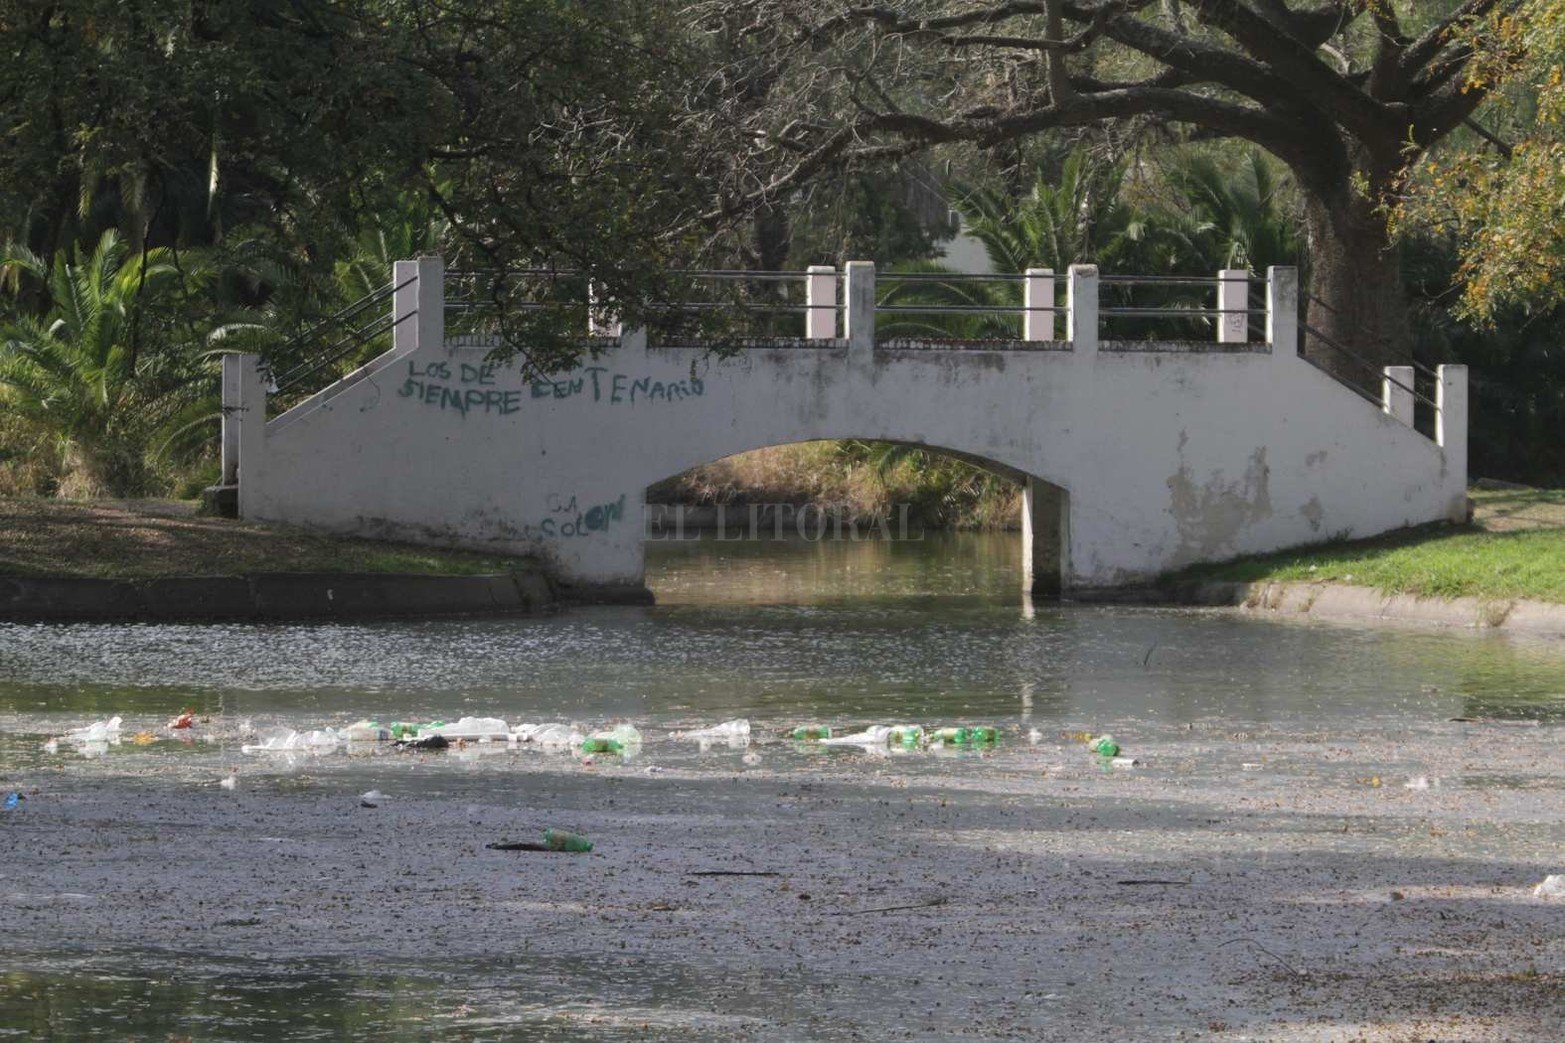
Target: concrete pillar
point(1233, 298)
point(859, 315)
point(820, 303)
point(1396, 393)
point(431, 302)
point(1451, 431)
point(404, 306)
point(1038, 304)
point(1282, 313)
point(1045, 528)
point(231, 406)
point(1081, 304)
point(249, 417)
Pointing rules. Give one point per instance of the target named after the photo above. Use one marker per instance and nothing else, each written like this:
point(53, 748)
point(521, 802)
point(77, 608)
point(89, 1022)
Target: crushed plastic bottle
point(367, 731)
point(811, 732)
point(565, 840)
point(98, 731)
point(1104, 746)
point(622, 738)
point(473, 729)
point(874, 735)
point(549, 736)
point(972, 735)
point(736, 729)
point(324, 740)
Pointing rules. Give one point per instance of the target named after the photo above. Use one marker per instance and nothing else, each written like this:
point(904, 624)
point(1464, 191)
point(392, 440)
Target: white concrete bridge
point(1137, 456)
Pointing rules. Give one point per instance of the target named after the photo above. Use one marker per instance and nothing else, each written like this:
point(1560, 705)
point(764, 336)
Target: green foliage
point(1079, 217)
point(1500, 194)
point(1227, 212)
point(79, 374)
point(1208, 211)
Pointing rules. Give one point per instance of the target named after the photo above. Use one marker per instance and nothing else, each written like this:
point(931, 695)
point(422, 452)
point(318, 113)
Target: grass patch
point(141, 539)
point(1514, 548)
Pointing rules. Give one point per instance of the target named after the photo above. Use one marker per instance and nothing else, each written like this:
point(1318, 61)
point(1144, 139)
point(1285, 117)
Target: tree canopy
point(1345, 93)
point(1502, 195)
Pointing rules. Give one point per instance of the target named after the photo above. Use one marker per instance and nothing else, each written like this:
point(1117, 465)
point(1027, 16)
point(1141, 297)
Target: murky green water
point(849, 634)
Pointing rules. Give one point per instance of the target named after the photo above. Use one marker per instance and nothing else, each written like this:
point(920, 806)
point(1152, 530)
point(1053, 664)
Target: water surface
point(932, 632)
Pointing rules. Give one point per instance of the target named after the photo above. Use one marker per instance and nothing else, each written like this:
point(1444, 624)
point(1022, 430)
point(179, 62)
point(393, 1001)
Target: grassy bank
point(1514, 548)
point(860, 480)
point(148, 538)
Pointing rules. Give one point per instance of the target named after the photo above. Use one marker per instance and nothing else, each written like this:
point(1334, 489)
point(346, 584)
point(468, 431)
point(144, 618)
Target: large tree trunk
point(1356, 303)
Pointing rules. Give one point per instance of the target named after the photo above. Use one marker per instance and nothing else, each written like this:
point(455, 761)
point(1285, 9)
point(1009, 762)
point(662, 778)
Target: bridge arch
point(1045, 504)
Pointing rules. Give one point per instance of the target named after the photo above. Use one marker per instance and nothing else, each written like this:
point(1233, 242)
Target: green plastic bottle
point(950, 736)
point(565, 840)
point(598, 745)
point(811, 732)
point(403, 730)
point(909, 735)
point(983, 733)
point(1104, 746)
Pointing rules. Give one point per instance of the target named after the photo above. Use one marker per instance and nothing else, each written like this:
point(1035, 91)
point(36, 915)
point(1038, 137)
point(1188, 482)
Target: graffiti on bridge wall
point(566, 519)
point(472, 388)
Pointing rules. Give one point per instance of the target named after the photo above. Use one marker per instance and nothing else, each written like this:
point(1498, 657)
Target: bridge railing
point(824, 308)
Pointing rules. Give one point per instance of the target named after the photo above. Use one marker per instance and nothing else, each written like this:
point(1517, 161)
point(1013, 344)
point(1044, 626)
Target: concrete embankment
point(272, 596)
point(1348, 603)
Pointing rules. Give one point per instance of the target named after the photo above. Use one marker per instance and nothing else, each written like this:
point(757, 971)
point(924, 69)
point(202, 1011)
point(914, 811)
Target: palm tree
point(75, 375)
point(1227, 215)
point(1079, 218)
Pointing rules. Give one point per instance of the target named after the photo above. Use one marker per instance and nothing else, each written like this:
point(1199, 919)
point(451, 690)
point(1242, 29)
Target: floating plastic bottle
point(565, 840)
point(874, 735)
point(619, 739)
point(367, 731)
point(98, 731)
point(950, 737)
point(287, 741)
point(549, 736)
point(1104, 746)
point(474, 729)
point(811, 732)
point(983, 733)
point(736, 729)
point(906, 735)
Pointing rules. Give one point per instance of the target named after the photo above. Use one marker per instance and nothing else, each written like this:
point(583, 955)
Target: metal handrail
point(296, 376)
point(883, 277)
point(1175, 280)
point(352, 310)
point(1418, 366)
point(963, 309)
point(1369, 366)
point(1201, 312)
